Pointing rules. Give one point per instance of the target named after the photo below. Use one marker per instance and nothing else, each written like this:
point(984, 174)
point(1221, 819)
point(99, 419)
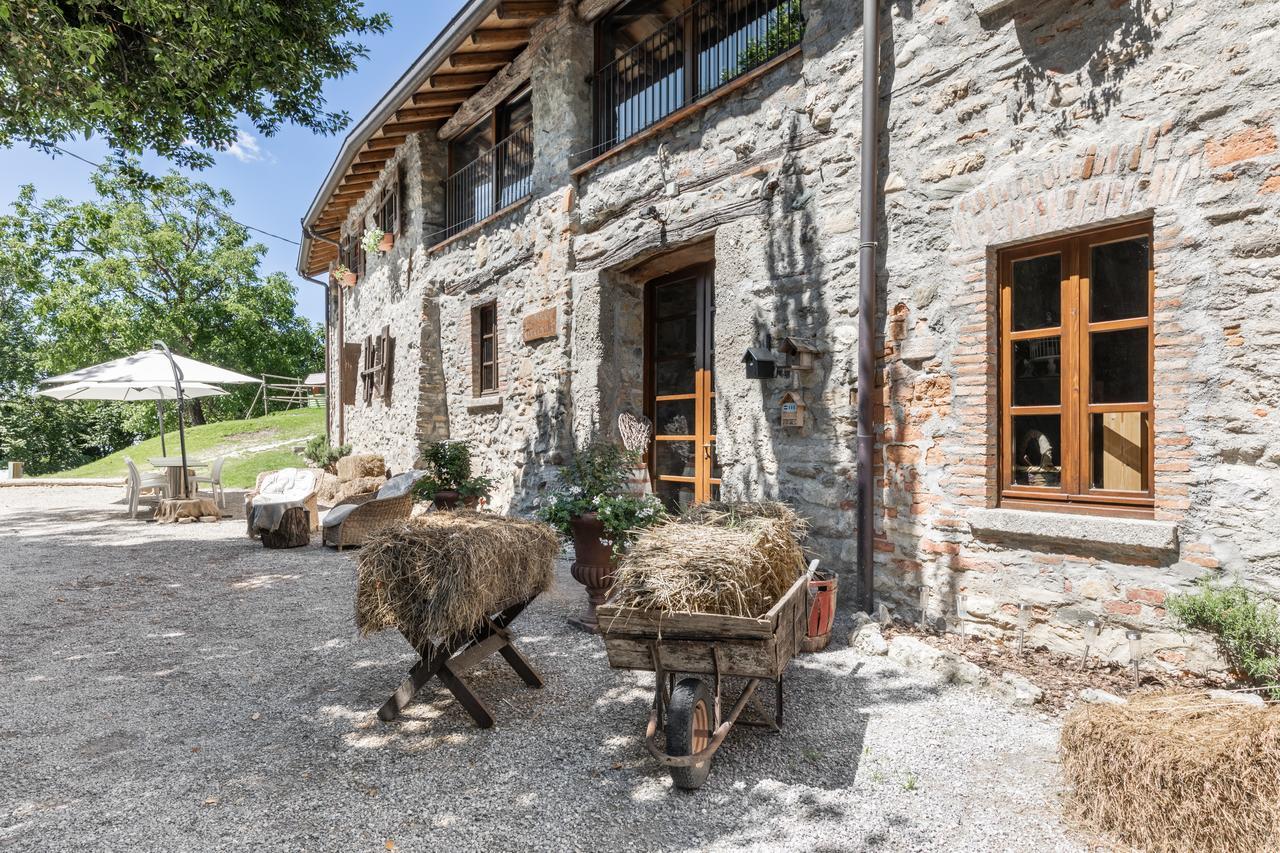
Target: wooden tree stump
point(187, 509)
point(294, 530)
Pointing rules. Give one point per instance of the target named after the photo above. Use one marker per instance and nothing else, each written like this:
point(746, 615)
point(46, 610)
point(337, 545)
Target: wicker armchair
point(350, 522)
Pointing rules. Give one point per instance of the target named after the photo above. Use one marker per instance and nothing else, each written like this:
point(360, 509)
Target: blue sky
point(273, 179)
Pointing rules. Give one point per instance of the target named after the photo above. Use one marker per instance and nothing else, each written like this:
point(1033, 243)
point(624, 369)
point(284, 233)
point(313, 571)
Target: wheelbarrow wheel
point(690, 722)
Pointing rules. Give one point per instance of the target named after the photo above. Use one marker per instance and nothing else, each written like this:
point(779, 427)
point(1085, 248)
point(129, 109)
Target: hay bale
point(722, 558)
point(444, 572)
point(361, 465)
point(1175, 772)
point(359, 486)
point(327, 488)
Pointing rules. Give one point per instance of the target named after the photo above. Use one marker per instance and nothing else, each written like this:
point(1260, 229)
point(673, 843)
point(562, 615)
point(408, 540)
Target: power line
point(51, 147)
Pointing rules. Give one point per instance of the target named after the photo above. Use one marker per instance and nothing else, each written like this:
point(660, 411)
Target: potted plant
point(344, 276)
point(448, 480)
point(322, 455)
point(594, 507)
point(377, 240)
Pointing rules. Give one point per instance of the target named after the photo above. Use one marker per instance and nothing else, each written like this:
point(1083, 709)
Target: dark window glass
point(1119, 448)
point(1037, 293)
point(676, 336)
point(1119, 285)
point(675, 376)
point(1037, 372)
point(674, 458)
point(675, 417)
point(1037, 449)
point(1118, 364)
point(488, 349)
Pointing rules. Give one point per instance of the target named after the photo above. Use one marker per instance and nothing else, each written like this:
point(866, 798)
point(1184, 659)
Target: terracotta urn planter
point(446, 500)
point(387, 242)
point(822, 612)
point(593, 567)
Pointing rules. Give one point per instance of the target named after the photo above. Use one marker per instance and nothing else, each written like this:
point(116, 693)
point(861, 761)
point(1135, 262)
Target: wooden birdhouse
point(793, 409)
point(801, 353)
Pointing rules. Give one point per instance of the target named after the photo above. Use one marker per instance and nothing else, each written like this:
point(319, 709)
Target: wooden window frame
point(704, 391)
point(389, 214)
point(1074, 494)
point(482, 385)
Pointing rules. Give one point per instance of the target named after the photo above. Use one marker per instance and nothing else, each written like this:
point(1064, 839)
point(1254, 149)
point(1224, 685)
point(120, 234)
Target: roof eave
point(445, 43)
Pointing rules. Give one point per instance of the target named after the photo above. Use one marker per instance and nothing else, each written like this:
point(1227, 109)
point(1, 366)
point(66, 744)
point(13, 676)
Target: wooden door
point(680, 386)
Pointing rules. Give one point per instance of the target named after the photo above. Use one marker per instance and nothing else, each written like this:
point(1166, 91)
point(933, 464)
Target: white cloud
point(246, 148)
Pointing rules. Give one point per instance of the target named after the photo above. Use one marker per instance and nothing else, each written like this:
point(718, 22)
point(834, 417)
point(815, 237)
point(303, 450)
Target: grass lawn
point(225, 438)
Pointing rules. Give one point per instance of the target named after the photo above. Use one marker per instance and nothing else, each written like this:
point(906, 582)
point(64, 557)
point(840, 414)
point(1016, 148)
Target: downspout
point(328, 347)
point(867, 302)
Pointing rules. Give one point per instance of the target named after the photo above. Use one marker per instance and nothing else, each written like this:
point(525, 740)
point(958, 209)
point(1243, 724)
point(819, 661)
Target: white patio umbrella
point(159, 368)
point(128, 393)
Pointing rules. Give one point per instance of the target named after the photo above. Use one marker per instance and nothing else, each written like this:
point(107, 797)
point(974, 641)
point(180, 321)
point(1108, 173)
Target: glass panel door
point(680, 388)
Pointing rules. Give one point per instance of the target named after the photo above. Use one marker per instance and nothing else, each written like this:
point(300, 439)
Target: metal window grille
point(705, 47)
point(499, 177)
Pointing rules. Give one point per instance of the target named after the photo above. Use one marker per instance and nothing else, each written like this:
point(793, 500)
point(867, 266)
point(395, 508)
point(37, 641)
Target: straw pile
point(722, 558)
point(444, 572)
point(1177, 772)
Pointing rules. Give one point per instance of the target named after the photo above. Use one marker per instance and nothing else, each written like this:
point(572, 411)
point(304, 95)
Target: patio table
point(172, 466)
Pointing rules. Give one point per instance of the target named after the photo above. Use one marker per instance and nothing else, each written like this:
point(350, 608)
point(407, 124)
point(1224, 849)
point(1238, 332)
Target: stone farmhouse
point(653, 206)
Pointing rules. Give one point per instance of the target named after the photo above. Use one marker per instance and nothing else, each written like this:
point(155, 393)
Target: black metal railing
point(707, 46)
point(496, 179)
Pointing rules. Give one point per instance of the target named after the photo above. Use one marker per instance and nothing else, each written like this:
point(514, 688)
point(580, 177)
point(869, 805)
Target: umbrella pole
point(182, 435)
point(160, 418)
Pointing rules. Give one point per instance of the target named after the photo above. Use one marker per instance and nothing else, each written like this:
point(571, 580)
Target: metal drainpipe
point(328, 391)
point(867, 301)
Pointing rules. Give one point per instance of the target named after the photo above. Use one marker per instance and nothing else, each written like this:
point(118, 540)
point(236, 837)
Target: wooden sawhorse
point(451, 659)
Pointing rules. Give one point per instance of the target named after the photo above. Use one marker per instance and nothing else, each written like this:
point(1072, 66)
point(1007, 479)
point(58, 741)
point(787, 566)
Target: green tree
point(152, 258)
point(172, 75)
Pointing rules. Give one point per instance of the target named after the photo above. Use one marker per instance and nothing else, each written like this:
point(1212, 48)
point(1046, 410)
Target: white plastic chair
point(215, 482)
point(139, 483)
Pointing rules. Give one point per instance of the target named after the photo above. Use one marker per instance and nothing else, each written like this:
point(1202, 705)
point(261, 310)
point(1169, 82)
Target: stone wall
point(1028, 120)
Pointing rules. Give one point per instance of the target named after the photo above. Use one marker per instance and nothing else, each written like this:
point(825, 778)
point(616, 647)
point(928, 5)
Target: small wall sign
point(540, 325)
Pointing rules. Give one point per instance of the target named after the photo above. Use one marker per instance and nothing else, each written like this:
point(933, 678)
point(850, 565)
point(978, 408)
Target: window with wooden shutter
point(484, 349)
point(377, 372)
point(349, 369)
point(388, 216)
point(1076, 371)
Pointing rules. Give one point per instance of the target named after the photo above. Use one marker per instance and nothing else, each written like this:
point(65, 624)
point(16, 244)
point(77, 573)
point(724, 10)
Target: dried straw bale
point(444, 572)
point(357, 487)
point(1176, 772)
point(722, 558)
point(361, 465)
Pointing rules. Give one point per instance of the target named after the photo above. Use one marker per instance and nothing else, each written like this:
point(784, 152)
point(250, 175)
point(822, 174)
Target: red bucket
point(822, 611)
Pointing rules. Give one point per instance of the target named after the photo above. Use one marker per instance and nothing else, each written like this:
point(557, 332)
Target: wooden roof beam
point(437, 99)
point(482, 59)
point(469, 80)
point(423, 113)
point(409, 126)
point(514, 35)
point(380, 142)
point(525, 10)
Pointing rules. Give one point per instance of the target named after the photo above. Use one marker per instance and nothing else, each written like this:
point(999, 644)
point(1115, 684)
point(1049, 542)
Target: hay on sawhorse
point(451, 583)
point(730, 559)
point(1176, 772)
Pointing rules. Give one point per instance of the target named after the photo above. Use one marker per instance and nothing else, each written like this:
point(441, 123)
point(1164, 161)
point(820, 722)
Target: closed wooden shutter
point(348, 369)
point(388, 363)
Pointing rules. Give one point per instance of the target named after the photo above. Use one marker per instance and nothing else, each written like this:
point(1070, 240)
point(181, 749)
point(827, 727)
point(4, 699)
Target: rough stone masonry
point(1003, 122)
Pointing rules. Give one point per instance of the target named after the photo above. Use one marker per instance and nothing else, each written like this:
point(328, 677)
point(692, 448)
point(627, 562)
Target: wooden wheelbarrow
point(689, 713)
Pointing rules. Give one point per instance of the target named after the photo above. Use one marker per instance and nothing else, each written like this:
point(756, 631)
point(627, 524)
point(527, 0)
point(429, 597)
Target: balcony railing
point(499, 177)
point(706, 47)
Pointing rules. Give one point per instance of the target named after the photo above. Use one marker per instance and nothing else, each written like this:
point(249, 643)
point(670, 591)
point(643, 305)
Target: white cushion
point(285, 485)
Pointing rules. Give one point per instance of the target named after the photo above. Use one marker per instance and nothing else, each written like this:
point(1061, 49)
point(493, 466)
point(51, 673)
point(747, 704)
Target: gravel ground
point(179, 688)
